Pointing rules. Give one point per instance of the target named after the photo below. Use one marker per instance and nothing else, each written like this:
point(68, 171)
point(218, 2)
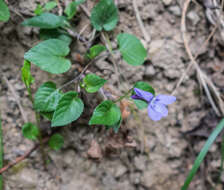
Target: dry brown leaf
point(124, 109)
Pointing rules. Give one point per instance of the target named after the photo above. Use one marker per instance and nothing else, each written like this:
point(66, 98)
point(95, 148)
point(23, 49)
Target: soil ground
point(144, 155)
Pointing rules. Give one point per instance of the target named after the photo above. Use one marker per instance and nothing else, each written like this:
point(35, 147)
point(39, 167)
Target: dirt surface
point(144, 155)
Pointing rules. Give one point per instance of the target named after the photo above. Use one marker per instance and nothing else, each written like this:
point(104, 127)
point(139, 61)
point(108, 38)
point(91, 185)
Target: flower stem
point(124, 96)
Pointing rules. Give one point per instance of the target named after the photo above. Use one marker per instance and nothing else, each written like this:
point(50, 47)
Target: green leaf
point(71, 9)
point(47, 97)
point(140, 104)
point(4, 11)
point(50, 55)
point(78, 2)
point(39, 10)
point(146, 87)
point(104, 15)
point(26, 75)
point(45, 20)
point(95, 51)
point(203, 153)
point(131, 48)
point(47, 115)
point(116, 126)
point(107, 113)
point(92, 83)
point(30, 131)
point(56, 141)
point(50, 5)
point(46, 34)
point(69, 109)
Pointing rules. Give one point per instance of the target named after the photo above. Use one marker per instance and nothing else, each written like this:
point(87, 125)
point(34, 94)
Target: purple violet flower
point(156, 105)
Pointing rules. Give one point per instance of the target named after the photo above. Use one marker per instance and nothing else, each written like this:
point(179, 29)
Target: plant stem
point(109, 47)
point(124, 96)
point(77, 78)
point(37, 115)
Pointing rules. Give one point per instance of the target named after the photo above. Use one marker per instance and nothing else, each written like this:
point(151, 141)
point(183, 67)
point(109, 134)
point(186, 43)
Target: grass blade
point(202, 154)
point(1, 154)
point(222, 160)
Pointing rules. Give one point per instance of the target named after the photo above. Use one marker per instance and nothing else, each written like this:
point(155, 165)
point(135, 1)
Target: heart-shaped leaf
point(132, 50)
point(95, 51)
point(46, 34)
point(45, 20)
point(4, 11)
point(69, 109)
point(50, 55)
point(104, 15)
point(92, 83)
point(116, 126)
point(56, 141)
point(107, 113)
point(47, 97)
point(30, 131)
point(146, 87)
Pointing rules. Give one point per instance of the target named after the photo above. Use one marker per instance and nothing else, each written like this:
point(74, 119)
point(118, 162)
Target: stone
point(175, 10)
point(69, 157)
point(167, 2)
point(135, 178)
point(120, 170)
point(150, 71)
point(95, 150)
point(156, 173)
point(27, 178)
point(79, 181)
point(109, 181)
point(140, 162)
point(155, 45)
point(193, 16)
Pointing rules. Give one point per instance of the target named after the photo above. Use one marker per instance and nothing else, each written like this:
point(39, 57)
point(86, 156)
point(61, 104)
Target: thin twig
point(201, 76)
point(11, 88)
point(75, 35)
point(88, 14)
point(83, 29)
point(16, 12)
point(195, 57)
point(140, 22)
point(23, 157)
point(85, 10)
point(198, 53)
point(109, 48)
point(92, 37)
point(77, 78)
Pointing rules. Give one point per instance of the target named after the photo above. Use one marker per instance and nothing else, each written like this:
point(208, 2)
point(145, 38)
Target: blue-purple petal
point(160, 108)
point(135, 97)
point(165, 99)
point(154, 115)
point(144, 95)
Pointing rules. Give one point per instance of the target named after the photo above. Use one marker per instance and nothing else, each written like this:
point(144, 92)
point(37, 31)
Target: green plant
point(62, 107)
point(203, 153)
point(4, 12)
